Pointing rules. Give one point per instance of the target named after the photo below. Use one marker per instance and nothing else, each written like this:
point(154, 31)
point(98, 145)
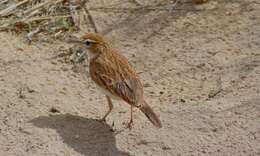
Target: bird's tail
point(149, 113)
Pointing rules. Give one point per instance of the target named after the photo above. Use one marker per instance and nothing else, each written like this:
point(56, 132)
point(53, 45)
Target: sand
point(200, 69)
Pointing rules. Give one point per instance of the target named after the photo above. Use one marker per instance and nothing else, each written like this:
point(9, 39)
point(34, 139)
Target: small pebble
point(54, 110)
point(147, 85)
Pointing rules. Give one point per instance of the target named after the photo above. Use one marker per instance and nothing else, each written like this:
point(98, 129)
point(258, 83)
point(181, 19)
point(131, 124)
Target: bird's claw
point(102, 120)
point(129, 124)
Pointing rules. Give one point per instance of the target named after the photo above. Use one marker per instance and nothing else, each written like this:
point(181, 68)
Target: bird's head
point(91, 44)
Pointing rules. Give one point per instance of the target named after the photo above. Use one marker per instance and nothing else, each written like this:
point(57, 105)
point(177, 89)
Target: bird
point(113, 75)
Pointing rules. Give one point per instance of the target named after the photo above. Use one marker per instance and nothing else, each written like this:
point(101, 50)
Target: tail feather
point(149, 113)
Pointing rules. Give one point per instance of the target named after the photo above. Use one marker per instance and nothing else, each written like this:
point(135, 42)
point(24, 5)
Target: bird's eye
point(87, 43)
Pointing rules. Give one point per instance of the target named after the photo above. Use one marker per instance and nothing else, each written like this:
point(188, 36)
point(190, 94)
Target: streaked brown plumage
point(113, 74)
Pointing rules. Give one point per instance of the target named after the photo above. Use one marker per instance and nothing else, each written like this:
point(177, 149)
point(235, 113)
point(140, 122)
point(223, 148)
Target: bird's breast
point(107, 93)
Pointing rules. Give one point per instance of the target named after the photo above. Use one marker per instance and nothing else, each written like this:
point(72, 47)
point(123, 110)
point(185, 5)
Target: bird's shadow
point(85, 135)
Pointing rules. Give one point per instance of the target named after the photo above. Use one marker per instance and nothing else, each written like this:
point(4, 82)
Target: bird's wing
point(117, 77)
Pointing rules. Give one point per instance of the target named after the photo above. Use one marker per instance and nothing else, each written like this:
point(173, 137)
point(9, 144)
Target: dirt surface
point(200, 69)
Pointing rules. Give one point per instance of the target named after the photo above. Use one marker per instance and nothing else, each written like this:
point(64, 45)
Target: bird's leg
point(110, 107)
point(130, 123)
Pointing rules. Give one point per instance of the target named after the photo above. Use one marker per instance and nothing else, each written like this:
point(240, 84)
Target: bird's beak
point(82, 55)
point(73, 40)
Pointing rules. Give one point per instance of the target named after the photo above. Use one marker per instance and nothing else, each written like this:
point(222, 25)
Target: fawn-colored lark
point(114, 76)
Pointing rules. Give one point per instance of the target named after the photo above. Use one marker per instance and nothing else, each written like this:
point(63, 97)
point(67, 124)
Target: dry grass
point(45, 16)
point(45, 19)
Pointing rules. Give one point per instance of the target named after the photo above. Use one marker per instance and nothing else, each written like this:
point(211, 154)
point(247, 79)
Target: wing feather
point(119, 79)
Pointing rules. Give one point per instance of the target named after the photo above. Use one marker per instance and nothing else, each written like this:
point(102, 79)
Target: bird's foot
point(102, 120)
point(129, 124)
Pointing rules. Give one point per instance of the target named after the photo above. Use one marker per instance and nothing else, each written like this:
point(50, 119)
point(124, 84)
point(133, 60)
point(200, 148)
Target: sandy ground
point(200, 69)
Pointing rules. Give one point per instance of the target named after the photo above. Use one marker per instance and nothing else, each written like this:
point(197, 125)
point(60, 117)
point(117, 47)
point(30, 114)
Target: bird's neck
point(92, 55)
point(97, 51)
